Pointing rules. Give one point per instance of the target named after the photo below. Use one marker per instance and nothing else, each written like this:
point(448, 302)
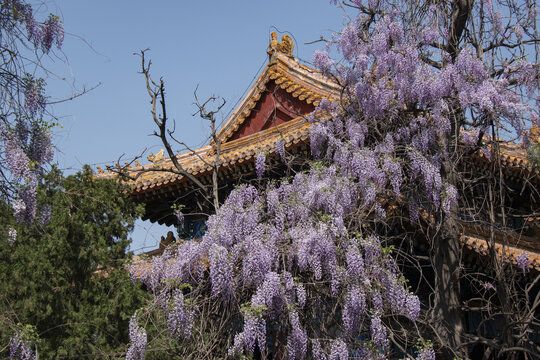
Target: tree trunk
point(448, 316)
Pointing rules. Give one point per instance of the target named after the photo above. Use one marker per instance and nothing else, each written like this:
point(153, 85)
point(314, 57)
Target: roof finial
point(286, 45)
point(155, 158)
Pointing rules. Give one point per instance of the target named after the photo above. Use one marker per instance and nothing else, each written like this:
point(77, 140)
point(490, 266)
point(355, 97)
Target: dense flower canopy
point(411, 100)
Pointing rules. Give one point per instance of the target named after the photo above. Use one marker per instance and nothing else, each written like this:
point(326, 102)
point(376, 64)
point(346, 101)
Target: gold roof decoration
point(286, 45)
point(157, 157)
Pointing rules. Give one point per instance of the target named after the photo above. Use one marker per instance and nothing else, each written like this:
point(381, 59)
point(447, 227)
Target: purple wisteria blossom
point(254, 332)
point(221, 271)
point(12, 236)
point(32, 26)
point(430, 173)
point(339, 350)
point(40, 148)
point(179, 317)
point(260, 257)
point(137, 340)
point(470, 138)
point(270, 294)
point(378, 331)
point(355, 262)
point(412, 306)
point(426, 353)
point(380, 213)
point(317, 351)
point(260, 165)
point(24, 208)
point(393, 170)
point(318, 136)
point(52, 31)
point(21, 349)
point(280, 149)
point(297, 339)
point(523, 261)
point(323, 61)
point(354, 309)
point(430, 32)
point(46, 33)
point(301, 295)
point(449, 198)
point(34, 100)
point(17, 160)
point(377, 303)
point(242, 248)
point(26, 152)
point(24, 134)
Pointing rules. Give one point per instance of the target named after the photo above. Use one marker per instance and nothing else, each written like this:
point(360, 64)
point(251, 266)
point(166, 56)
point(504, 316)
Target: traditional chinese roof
point(306, 86)
point(275, 108)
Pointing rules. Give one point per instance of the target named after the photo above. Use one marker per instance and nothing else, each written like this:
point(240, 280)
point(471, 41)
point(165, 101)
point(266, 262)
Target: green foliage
point(67, 278)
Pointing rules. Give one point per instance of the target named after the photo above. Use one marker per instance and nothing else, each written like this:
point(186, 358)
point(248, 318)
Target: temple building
point(276, 109)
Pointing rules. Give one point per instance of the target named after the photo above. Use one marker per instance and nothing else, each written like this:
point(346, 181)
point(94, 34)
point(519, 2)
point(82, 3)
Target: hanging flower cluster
point(137, 336)
point(26, 152)
point(22, 345)
point(523, 261)
point(43, 34)
point(390, 81)
point(260, 165)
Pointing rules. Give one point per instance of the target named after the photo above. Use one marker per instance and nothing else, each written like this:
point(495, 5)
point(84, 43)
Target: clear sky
point(218, 45)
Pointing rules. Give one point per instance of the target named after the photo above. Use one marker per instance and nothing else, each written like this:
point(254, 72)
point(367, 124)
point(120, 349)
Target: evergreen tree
point(65, 275)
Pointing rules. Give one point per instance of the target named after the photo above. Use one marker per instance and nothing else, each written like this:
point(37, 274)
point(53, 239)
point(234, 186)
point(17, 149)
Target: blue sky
point(218, 45)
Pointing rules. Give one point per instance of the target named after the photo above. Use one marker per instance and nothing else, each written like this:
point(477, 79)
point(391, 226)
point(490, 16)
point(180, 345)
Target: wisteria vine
point(25, 139)
point(24, 134)
point(278, 252)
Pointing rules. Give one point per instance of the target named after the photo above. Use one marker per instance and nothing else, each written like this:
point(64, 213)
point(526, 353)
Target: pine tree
point(65, 276)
